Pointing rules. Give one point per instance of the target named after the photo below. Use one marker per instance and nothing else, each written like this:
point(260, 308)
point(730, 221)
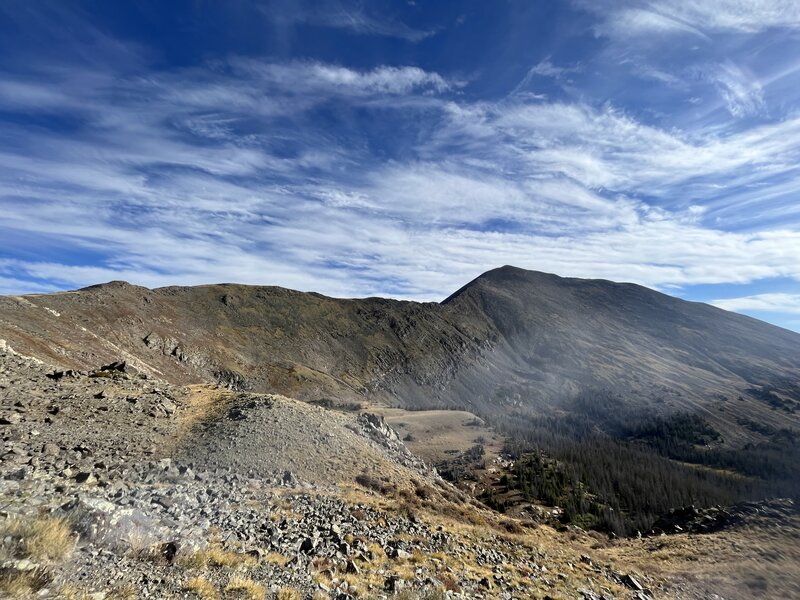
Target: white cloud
point(198, 229)
point(387, 80)
point(629, 22)
point(304, 77)
point(21, 94)
point(627, 18)
point(740, 89)
point(748, 16)
point(606, 148)
point(775, 302)
point(545, 68)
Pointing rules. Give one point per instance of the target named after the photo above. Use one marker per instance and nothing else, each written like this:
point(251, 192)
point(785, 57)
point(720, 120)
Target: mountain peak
point(115, 284)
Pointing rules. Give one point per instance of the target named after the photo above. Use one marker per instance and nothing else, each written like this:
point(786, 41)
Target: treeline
point(610, 476)
point(541, 479)
point(773, 465)
point(674, 432)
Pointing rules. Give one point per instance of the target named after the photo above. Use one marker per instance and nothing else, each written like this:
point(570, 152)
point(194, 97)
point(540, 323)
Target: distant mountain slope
point(558, 337)
point(511, 340)
point(259, 338)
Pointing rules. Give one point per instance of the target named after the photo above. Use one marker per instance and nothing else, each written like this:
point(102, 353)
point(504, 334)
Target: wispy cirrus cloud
point(637, 22)
point(605, 148)
point(696, 48)
point(741, 91)
point(545, 68)
point(746, 16)
point(698, 17)
point(352, 16)
point(775, 302)
point(176, 190)
point(304, 77)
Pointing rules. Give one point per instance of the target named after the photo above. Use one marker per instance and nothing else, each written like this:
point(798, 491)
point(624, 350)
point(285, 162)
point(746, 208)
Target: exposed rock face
point(169, 346)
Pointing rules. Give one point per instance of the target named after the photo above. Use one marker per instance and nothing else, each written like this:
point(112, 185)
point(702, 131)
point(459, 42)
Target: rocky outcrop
point(169, 346)
point(375, 427)
point(691, 519)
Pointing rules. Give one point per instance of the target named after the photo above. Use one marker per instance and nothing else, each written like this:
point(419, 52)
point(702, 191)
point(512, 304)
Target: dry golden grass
point(437, 433)
point(449, 582)
point(244, 588)
point(72, 592)
point(474, 525)
point(418, 557)
point(193, 560)
point(376, 550)
point(203, 400)
point(276, 558)
point(740, 563)
point(140, 542)
point(41, 539)
point(216, 556)
point(436, 594)
point(22, 584)
point(287, 593)
point(202, 588)
point(126, 592)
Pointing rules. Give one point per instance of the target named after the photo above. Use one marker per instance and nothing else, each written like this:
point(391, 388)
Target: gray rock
point(11, 419)
point(352, 568)
point(164, 501)
point(85, 477)
point(392, 584)
point(631, 582)
point(308, 546)
point(50, 449)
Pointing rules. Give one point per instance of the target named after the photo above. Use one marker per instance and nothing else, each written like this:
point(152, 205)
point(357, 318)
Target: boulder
point(630, 581)
point(169, 550)
point(11, 419)
point(308, 546)
point(119, 366)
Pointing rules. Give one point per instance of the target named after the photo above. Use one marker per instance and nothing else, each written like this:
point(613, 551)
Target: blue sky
point(402, 148)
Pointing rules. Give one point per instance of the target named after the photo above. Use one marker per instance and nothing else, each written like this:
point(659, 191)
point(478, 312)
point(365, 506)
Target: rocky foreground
point(100, 499)
point(116, 485)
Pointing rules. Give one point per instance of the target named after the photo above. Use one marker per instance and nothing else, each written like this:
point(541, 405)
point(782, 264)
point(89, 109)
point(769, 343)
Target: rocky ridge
point(511, 340)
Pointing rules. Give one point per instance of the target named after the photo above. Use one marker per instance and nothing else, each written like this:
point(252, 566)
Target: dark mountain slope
point(558, 336)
